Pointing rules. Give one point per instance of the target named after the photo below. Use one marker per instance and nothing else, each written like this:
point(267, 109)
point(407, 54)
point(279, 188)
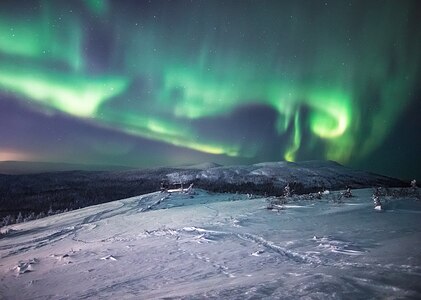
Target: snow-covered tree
point(50, 211)
point(8, 220)
point(287, 191)
point(376, 197)
point(41, 215)
point(347, 193)
point(19, 218)
point(29, 217)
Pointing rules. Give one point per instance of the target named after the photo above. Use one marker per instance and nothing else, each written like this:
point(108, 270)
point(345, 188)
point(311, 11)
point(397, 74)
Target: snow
point(211, 245)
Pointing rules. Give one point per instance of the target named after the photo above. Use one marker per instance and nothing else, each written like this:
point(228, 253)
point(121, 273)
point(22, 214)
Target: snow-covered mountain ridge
point(35, 195)
point(307, 176)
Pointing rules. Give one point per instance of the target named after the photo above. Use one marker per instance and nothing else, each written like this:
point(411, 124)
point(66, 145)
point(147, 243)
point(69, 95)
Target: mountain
point(31, 167)
point(37, 194)
point(202, 166)
point(272, 177)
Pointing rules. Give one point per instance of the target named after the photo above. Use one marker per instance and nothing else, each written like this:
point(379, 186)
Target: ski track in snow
point(257, 240)
point(215, 246)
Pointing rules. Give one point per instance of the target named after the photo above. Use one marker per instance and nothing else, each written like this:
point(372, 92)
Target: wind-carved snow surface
point(217, 246)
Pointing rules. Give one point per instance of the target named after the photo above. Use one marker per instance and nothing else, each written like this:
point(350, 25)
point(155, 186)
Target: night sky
point(150, 83)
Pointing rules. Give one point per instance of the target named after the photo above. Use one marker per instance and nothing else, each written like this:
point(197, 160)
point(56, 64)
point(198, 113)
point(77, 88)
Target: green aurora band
point(322, 69)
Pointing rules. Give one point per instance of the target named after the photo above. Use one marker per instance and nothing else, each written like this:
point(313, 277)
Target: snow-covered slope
point(35, 194)
point(217, 246)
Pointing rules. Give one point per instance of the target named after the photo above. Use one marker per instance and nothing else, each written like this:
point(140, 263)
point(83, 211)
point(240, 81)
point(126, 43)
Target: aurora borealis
point(169, 82)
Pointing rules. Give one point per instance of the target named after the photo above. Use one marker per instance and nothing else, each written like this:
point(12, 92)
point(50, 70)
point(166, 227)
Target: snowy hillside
point(36, 195)
point(217, 246)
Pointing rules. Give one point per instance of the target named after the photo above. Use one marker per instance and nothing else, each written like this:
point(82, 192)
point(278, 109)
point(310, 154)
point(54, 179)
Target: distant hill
point(31, 167)
point(202, 166)
point(271, 177)
point(75, 187)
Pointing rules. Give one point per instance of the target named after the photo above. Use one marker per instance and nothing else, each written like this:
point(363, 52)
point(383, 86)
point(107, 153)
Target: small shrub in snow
point(376, 197)
point(276, 203)
point(347, 193)
point(337, 198)
point(3, 233)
